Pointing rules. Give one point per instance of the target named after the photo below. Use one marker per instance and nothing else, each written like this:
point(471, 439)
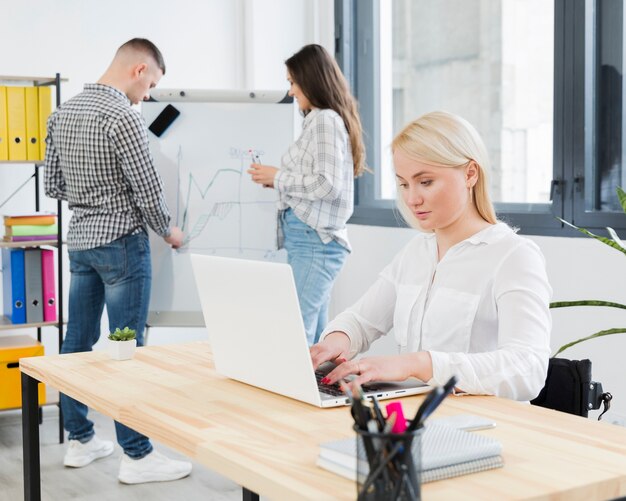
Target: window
point(606, 138)
point(540, 80)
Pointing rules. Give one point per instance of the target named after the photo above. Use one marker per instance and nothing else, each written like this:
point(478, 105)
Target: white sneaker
point(154, 467)
point(79, 455)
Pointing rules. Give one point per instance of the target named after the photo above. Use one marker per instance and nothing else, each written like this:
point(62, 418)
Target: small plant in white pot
point(122, 343)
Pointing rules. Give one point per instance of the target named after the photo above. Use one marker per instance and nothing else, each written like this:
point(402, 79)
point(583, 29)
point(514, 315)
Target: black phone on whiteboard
point(160, 124)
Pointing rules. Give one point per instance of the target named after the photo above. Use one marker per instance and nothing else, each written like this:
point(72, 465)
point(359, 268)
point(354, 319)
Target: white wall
point(578, 268)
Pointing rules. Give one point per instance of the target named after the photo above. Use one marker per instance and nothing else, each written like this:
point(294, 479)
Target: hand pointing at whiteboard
point(263, 174)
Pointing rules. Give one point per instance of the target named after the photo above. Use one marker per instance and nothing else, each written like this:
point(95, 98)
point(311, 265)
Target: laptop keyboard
point(330, 389)
point(334, 389)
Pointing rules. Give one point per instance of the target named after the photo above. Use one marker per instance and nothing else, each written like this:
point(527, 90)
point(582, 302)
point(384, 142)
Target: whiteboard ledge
point(220, 96)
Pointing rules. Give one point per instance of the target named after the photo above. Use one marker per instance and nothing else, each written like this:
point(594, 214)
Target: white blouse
point(482, 312)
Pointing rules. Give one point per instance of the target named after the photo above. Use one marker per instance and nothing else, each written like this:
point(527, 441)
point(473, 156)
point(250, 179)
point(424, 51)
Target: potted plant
point(617, 244)
point(122, 343)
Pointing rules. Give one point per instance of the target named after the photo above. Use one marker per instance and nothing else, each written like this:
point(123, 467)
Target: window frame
point(573, 39)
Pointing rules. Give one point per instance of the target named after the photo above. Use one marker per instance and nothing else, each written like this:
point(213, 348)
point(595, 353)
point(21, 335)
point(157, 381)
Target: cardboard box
point(12, 348)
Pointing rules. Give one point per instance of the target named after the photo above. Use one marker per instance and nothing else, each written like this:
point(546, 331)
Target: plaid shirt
point(97, 158)
point(316, 178)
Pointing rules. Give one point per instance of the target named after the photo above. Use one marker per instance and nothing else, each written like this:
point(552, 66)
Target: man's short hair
point(146, 46)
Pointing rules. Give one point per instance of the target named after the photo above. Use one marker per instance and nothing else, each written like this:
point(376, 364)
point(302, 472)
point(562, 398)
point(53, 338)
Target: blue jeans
point(118, 275)
point(315, 266)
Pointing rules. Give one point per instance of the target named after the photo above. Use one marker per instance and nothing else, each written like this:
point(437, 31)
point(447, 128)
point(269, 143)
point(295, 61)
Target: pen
point(257, 160)
point(434, 394)
point(372, 427)
point(360, 409)
point(359, 413)
point(362, 416)
point(346, 389)
point(391, 420)
point(431, 402)
point(378, 413)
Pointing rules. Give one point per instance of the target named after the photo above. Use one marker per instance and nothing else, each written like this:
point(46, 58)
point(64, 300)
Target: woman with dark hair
point(315, 182)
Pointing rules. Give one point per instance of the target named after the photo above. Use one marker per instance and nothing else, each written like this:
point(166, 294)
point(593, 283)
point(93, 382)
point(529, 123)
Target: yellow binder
point(16, 119)
point(45, 108)
point(4, 138)
point(31, 99)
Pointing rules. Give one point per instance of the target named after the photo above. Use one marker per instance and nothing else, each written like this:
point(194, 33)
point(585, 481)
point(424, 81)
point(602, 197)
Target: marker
point(254, 156)
point(400, 425)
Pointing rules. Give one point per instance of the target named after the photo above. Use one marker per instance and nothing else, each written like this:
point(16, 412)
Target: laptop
point(257, 336)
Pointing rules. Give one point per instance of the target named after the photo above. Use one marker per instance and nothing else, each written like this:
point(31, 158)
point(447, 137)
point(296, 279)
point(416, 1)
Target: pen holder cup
point(388, 465)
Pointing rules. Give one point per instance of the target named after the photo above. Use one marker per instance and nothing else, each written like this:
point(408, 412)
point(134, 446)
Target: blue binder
point(13, 285)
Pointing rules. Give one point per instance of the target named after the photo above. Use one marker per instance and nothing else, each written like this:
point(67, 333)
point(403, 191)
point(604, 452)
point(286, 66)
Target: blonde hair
point(446, 140)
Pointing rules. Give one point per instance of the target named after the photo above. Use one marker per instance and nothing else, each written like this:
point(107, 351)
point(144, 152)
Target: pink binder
point(48, 286)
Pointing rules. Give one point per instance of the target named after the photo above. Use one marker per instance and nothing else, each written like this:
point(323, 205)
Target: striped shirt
point(316, 178)
point(97, 158)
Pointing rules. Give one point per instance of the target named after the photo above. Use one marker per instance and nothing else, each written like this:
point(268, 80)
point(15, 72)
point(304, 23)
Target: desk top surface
point(269, 443)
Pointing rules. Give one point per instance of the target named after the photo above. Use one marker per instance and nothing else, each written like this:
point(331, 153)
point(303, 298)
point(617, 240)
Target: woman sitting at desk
point(467, 296)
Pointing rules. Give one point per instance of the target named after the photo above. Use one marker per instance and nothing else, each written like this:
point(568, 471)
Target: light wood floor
point(97, 481)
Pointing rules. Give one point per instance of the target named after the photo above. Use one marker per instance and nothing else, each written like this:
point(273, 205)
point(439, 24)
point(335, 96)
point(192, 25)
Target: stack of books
point(441, 452)
point(30, 227)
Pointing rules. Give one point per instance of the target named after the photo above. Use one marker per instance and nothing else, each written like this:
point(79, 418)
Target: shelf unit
point(5, 323)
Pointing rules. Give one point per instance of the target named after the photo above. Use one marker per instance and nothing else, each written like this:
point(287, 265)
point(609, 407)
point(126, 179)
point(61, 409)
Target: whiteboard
point(203, 158)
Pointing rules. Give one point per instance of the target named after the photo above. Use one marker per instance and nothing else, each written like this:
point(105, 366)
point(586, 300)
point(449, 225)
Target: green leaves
point(617, 244)
point(122, 335)
point(593, 336)
point(587, 302)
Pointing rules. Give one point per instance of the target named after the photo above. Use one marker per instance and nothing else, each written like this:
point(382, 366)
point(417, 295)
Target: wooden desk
point(269, 444)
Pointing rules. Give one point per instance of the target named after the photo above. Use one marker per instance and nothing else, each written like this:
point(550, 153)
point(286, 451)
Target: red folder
point(48, 286)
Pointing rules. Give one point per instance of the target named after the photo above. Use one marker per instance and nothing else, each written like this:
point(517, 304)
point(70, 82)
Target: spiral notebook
point(446, 452)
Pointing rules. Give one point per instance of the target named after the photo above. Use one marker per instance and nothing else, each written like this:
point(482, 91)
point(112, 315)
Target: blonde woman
point(466, 297)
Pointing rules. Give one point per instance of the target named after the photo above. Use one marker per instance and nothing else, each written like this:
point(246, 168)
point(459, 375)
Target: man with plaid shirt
point(97, 158)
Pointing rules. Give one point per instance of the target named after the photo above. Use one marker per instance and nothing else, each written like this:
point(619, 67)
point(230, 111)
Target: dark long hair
point(323, 84)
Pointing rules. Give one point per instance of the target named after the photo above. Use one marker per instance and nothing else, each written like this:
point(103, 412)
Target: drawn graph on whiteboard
point(222, 211)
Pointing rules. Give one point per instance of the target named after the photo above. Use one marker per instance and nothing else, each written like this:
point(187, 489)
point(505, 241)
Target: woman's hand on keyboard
point(334, 348)
point(383, 368)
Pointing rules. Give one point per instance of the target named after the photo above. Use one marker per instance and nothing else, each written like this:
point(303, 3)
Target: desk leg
point(30, 438)
point(249, 495)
